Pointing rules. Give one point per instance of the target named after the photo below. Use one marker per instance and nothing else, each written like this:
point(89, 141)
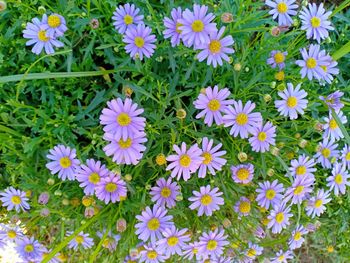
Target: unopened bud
point(242, 157)
point(274, 151)
point(302, 143)
point(270, 172)
point(275, 31)
point(181, 114)
point(121, 225)
point(226, 223)
point(237, 67)
point(41, 10)
point(226, 18)
point(267, 98)
point(128, 177)
point(3, 6)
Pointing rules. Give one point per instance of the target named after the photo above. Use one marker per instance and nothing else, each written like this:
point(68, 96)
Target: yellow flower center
point(241, 119)
point(42, 36)
point(338, 179)
point(106, 242)
point(153, 224)
point(251, 252)
point(270, 194)
point(297, 236)
point(160, 159)
point(347, 156)
point(242, 174)
point(279, 217)
point(177, 28)
point(298, 190)
point(215, 46)
point(301, 170)
point(152, 254)
point(318, 203)
point(279, 57)
point(244, 207)
point(315, 22)
point(324, 68)
point(326, 152)
point(214, 105)
point(262, 136)
point(172, 241)
point(111, 187)
point(11, 234)
point(206, 200)
point(207, 158)
point(279, 75)
point(128, 19)
point(65, 162)
point(94, 178)
point(16, 199)
point(125, 144)
point(281, 258)
point(311, 63)
point(282, 8)
point(292, 102)
point(123, 119)
point(139, 42)
point(212, 244)
point(197, 26)
point(333, 124)
point(166, 192)
point(54, 21)
point(79, 239)
point(185, 160)
point(195, 251)
point(29, 248)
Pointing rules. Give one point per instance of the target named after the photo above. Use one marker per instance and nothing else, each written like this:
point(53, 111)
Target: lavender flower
point(10, 233)
point(13, 198)
point(111, 188)
point(316, 204)
point(269, 194)
point(277, 58)
point(212, 243)
point(212, 158)
point(282, 9)
point(328, 149)
point(43, 198)
point(279, 218)
point(331, 127)
point(216, 50)
point(263, 137)
point(281, 257)
point(125, 17)
point(206, 200)
point(29, 249)
point(339, 179)
point(345, 156)
point(243, 206)
point(212, 104)
point(292, 102)
point(63, 162)
point(330, 69)
point(304, 166)
point(173, 242)
point(299, 189)
point(296, 240)
point(184, 162)
point(152, 254)
point(315, 22)
point(152, 223)
point(253, 250)
point(172, 26)
point(165, 192)
point(139, 41)
point(81, 240)
point(333, 100)
point(191, 250)
point(243, 173)
point(110, 241)
point(56, 23)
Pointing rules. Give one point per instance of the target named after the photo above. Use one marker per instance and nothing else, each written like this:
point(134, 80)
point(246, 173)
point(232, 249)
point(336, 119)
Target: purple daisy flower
point(10, 233)
point(206, 200)
point(283, 9)
point(253, 250)
point(281, 257)
point(128, 151)
point(46, 252)
point(152, 254)
point(331, 127)
point(242, 119)
point(90, 174)
point(63, 162)
point(296, 240)
point(41, 37)
point(339, 179)
point(111, 188)
point(330, 69)
point(269, 194)
point(139, 41)
point(13, 198)
point(190, 250)
point(315, 22)
point(316, 204)
point(165, 192)
point(259, 232)
point(173, 242)
point(277, 58)
point(212, 243)
point(243, 206)
point(125, 17)
point(184, 162)
point(196, 26)
point(172, 26)
point(333, 100)
point(292, 102)
point(300, 188)
point(110, 241)
point(242, 173)
point(81, 240)
point(312, 63)
point(345, 156)
point(122, 118)
point(263, 137)
point(213, 104)
point(212, 160)
point(279, 218)
point(304, 166)
point(56, 23)
point(29, 249)
point(152, 223)
point(216, 49)
point(327, 150)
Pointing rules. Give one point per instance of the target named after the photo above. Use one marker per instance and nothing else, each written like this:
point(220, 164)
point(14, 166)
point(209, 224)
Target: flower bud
point(318, 127)
point(75, 202)
point(3, 6)
point(149, 18)
point(270, 172)
point(267, 98)
point(121, 225)
point(58, 193)
point(274, 151)
point(128, 91)
point(226, 18)
point(237, 67)
point(41, 10)
point(87, 200)
point(44, 212)
point(128, 177)
point(181, 114)
point(302, 143)
point(89, 212)
point(43, 198)
point(50, 181)
point(281, 87)
point(65, 201)
point(275, 31)
point(273, 84)
point(246, 69)
point(242, 157)
point(94, 23)
point(179, 197)
point(226, 223)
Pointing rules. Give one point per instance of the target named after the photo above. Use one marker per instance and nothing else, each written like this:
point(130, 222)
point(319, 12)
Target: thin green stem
point(342, 51)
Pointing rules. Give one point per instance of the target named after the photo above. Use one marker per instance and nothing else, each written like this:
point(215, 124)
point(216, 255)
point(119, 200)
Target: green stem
point(341, 127)
point(342, 51)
